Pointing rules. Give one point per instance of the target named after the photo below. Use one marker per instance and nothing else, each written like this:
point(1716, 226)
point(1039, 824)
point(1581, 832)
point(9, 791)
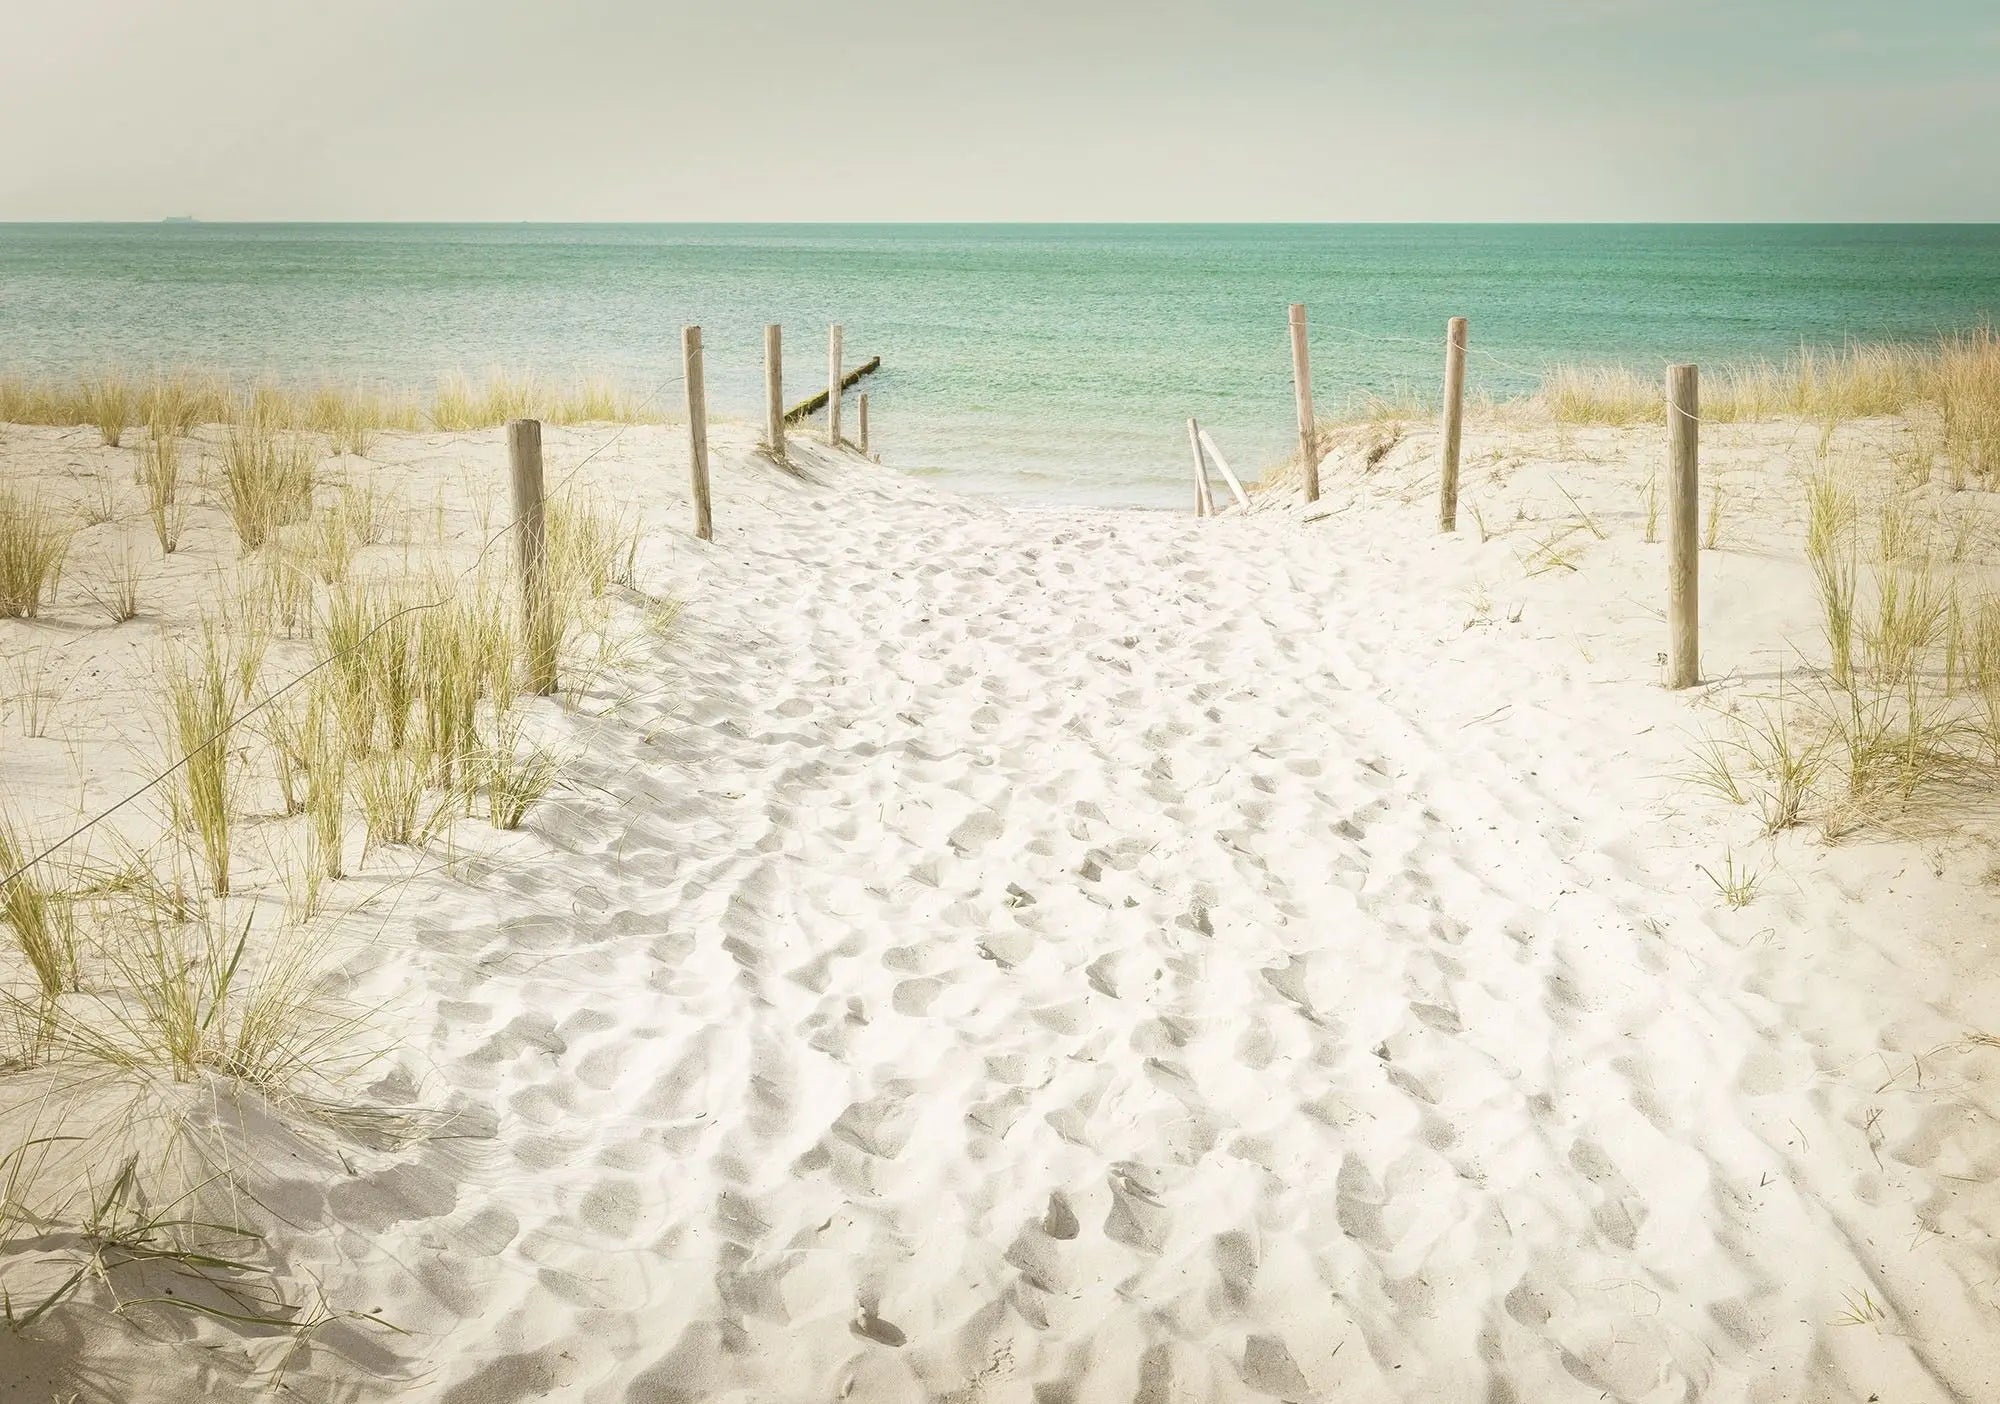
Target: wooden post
point(1683, 522)
point(1454, 418)
point(833, 386)
point(1302, 389)
point(774, 390)
point(862, 408)
point(531, 537)
point(1204, 498)
point(697, 402)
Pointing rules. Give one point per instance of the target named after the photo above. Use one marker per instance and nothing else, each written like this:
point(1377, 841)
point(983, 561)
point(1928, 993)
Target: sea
point(1043, 363)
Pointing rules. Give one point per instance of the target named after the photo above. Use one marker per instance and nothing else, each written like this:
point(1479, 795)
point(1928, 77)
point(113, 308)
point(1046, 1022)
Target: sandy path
point(1083, 956)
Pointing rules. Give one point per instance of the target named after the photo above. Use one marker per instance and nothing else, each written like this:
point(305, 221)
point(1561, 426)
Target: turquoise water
point(1050, 362)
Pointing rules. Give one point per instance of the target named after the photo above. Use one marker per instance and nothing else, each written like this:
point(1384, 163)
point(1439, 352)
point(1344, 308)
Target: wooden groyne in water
point(807, 406)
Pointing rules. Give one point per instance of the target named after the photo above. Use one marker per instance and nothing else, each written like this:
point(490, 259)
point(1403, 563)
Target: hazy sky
point(1028, 109)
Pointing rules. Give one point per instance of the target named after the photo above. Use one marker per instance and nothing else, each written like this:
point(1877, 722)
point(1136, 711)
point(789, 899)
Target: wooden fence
point(1683, 477)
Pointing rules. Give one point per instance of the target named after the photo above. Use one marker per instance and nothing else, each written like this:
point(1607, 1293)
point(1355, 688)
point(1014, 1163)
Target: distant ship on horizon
point(180, 219)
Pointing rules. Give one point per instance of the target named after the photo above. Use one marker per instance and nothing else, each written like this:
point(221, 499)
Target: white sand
point(1083, 956)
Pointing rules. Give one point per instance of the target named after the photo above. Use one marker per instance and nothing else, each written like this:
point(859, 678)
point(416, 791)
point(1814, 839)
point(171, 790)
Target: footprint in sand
point(1059, 1221)
point(870, 1326)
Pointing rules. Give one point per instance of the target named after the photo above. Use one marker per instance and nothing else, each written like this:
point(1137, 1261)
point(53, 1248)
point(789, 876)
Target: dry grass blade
point(1589, 522)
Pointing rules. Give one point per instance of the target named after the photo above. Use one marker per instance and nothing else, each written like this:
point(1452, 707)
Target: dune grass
point(1899, 730)
point(267, 479)
point(1956, 377)
point(347, 414)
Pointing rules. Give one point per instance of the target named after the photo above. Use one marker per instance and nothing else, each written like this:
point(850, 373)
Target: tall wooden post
point(861, 412)
point(1454, 418)
point(531, 537)
point(1302, 389)
point(774, 390)
point(697, 403)
point(833, 386)
point(1683, 521)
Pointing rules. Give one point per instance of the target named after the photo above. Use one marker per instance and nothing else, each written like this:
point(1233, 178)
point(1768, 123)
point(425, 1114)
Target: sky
point(1419, 110)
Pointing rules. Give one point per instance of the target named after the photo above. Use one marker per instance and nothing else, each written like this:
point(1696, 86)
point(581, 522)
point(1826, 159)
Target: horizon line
point(184, 220)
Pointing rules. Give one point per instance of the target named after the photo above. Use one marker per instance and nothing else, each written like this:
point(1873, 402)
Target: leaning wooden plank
point(1235, 488)
point(805, 407)
point(1204, 498)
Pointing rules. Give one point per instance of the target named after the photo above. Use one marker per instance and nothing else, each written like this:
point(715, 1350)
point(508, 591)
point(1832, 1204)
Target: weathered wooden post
point(1683, 516)
point(1454, 418)
point(1204, 497)
point(531, 537)
point(861, 410)
point(774, 390)
point(697, 404)
point(833, 386)
point(1302, 389)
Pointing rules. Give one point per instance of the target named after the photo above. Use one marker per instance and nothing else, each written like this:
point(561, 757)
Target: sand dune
point(1035, 955)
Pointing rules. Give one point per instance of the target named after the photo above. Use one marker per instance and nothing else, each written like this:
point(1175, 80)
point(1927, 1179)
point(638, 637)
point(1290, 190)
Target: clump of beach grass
point(108, 403)
point(1830, 516)
point(116, 590)
point(160, 475)
point(267, 479)
point(398, 803)
point(515, 775)
point(34, 543)
point(178, 401)
point(348, 418)
point(38, 912)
